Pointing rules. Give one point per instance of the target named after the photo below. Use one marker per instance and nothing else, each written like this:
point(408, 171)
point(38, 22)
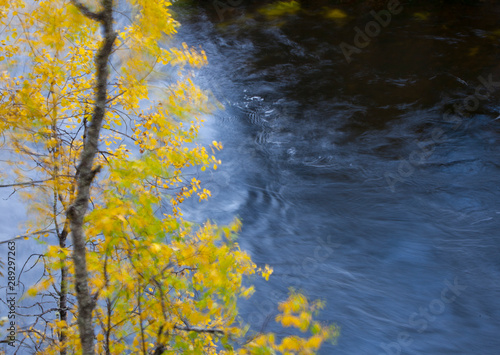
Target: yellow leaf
point(336, 14)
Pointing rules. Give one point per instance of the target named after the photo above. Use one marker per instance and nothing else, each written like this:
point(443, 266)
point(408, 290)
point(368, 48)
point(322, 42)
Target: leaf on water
point(335, 14)
point(473, 51)
point(423, 16)
point(280, 8)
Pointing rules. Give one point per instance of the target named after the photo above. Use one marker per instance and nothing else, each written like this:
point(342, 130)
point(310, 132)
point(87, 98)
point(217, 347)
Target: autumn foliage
point(158, 283)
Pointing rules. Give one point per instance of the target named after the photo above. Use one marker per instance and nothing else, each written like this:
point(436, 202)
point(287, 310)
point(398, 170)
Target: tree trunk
point(63, 296)
point(85, 175)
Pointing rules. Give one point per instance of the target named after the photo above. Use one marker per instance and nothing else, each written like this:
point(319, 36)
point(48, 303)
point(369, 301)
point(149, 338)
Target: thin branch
point(28, 183)
point(200, 330)
point(115, 97)
point(26, 236)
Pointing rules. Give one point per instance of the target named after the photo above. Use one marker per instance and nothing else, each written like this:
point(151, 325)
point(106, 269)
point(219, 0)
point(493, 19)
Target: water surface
point(351, 180)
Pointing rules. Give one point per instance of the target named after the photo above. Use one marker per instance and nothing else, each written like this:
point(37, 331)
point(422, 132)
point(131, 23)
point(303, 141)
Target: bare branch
point(28, 183)
point(200, 330)
point(26, 236)
point(31, 183)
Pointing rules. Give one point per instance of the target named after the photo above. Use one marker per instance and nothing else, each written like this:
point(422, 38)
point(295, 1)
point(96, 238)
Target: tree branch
point(87, 12)
point(27, 183)
point(25, 236)
point(200, 330)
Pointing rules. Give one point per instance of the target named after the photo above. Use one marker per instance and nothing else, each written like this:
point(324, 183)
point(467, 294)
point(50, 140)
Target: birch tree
point(99, 115)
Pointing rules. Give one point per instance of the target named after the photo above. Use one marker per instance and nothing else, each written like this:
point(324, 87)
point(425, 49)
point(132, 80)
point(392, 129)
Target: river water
point(371, 184)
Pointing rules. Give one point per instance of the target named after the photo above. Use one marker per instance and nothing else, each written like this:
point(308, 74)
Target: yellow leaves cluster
point(296, 312)
point(193, 57)
point(39, 108)
point(266, 272)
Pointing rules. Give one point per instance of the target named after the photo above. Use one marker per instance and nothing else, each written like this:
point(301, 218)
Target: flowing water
point(371, 184)
point(374, 184)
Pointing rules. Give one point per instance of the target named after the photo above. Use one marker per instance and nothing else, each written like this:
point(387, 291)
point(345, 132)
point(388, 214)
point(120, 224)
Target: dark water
point(352, 179)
